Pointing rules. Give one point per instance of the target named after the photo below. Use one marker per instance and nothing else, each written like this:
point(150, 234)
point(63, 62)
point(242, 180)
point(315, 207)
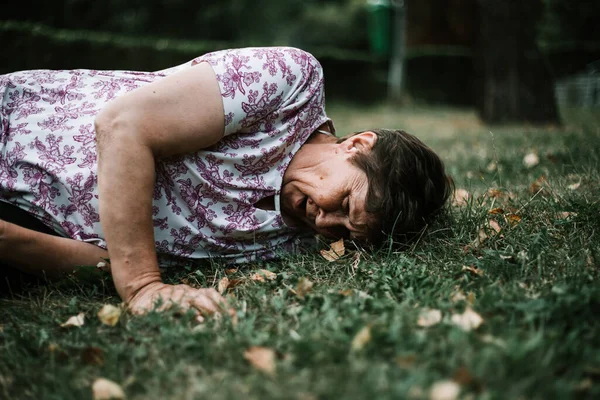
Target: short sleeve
point(260, 87)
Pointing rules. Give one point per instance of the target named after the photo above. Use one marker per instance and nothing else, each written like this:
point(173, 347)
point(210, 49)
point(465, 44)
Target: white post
point(396, 69)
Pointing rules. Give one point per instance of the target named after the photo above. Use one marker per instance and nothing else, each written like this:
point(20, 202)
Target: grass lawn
point(503, 301)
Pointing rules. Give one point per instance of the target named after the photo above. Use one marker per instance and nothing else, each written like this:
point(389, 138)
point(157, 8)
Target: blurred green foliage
point(156, 34)
point(570, 24)
point(302, 23)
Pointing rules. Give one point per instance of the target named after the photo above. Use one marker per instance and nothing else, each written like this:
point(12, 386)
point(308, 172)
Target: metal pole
point(396, 69)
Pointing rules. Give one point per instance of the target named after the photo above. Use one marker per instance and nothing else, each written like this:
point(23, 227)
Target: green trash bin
point(379, 25)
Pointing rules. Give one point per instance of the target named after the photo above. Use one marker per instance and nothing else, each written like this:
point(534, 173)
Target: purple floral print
point(203, 203)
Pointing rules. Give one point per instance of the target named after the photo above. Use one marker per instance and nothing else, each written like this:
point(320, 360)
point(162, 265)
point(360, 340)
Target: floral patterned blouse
point(203, 203)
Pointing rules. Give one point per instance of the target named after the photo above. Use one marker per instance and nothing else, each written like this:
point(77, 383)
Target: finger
point(221, 302)
point(204, 304)
point(216, 297)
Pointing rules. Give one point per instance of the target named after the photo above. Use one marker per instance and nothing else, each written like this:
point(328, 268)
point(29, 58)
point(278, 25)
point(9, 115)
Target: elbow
point(114, 126)
point(105, 126)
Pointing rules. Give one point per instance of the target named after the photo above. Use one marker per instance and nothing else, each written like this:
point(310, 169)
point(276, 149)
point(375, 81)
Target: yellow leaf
point(303, 287)
point(223, 285)
point(337, 250)
point(103, 389)
point(473, 270)
point(444, 390)
point(361, 338)
point(262, 275)
point(538, 185)
point(76, 320)
point(471, 298)
point(468, 320)
point(495, 193)
point(261, 358)
point(429, 317)
point(460, 198)
point(513, 219)
point(109, 314)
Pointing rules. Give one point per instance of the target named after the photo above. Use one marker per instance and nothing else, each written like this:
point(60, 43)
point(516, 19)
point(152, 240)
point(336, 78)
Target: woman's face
point(329, 196)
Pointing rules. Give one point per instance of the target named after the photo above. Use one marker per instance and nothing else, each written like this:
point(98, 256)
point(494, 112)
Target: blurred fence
point(434, 74)
point(580, 90)
point(438, 75)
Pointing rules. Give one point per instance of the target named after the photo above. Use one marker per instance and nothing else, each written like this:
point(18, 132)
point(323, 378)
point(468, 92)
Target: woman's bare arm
point(42, 254)
point(181, 113)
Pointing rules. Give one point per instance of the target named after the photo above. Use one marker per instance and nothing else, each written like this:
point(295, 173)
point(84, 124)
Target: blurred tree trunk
point(514, 82)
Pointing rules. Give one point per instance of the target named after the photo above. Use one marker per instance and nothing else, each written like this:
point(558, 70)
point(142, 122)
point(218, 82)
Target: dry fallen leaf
point(565, 215)
point(460, 198)
point(531, 160)
point(473, 270)
point(355, 261)
point(468, 320)
point(76, 320)
point(109, 314)
point(230, 271)
point(513, 219)
point(574, 186)
point(495, 193)
point(103, 266)
point(261, 358)
point(92, 355)
point(481, 237)
point(406, 361)
point(336, 251)
point(444, 390)
point(223, 285)
point(103, 389)
point(538, 185)
point(361, 338)
point(494, 225)
point(463, 376)
point(303, 287)
point(489, 339)
point(429, 317)
point(262, 275)
point(471, 298)
point(457, 297)
point(497, 210)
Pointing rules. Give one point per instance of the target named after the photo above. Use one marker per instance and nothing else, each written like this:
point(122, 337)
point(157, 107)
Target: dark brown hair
point(407, 184)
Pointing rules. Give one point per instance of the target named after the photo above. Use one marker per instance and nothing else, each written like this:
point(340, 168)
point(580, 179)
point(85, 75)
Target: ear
point(363, 141)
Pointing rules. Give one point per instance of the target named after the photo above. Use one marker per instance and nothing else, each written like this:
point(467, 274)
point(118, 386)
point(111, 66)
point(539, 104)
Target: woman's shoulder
point(271, 59)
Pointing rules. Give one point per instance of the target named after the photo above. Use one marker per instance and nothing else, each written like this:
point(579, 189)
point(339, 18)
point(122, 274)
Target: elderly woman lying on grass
point(230, 155)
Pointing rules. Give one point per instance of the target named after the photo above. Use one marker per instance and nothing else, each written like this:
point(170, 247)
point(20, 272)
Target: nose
point(329, 220)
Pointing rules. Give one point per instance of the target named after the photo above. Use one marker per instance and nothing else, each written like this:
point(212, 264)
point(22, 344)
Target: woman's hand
point(161, 296)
